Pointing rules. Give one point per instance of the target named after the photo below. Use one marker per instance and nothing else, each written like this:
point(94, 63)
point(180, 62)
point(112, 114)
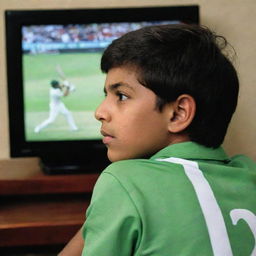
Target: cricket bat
point(60, 72)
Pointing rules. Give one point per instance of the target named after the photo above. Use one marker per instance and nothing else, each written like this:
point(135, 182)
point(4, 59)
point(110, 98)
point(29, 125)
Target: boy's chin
point(115, 158)
point(118, 157)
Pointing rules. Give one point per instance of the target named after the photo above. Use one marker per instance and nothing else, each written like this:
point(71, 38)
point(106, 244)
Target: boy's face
point(132, 125)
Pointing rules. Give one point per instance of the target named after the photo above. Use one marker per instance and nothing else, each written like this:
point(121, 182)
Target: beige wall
point(235, 19)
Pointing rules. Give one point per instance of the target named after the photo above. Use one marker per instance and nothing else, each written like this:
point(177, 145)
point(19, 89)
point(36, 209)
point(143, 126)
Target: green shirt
point(185, 200)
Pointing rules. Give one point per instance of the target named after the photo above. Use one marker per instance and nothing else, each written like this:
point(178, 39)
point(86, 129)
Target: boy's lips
point(106, 137)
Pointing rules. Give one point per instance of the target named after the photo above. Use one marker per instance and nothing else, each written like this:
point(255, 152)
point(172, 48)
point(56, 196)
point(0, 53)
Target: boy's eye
point(121, 97)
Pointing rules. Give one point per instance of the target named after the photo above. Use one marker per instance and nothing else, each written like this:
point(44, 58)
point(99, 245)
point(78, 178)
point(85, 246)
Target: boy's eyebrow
point(113, 87)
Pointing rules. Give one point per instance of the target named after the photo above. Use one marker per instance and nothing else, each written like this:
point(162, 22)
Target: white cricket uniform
point(56, 107)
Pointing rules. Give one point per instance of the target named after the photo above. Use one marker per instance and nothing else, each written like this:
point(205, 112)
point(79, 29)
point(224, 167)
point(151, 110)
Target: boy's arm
point(74, 246)
point(112, 226)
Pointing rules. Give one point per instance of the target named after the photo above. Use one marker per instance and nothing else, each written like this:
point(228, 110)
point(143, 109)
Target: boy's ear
point(182, 113)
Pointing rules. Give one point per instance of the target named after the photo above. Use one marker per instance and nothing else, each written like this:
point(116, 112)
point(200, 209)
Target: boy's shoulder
point(130, 166)
point(138, 169)
point(137, 175)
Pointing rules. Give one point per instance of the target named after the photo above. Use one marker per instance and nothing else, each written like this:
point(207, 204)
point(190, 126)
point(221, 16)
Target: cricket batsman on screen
point(57, 91)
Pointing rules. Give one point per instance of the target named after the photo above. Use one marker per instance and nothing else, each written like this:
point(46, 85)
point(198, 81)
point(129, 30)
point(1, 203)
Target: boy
point(171, 189)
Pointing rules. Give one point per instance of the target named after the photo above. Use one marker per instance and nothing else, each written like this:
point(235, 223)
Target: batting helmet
point(55, 83)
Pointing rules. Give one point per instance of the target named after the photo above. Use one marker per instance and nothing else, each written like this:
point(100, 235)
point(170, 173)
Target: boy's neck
point(178, 138)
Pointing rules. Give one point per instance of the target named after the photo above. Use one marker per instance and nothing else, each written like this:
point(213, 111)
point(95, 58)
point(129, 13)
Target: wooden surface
point(38, 209)
point(24, 176)
point(41, 221)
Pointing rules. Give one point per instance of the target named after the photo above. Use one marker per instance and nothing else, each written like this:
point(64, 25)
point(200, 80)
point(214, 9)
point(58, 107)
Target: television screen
point(55, 82)
point(66, 53)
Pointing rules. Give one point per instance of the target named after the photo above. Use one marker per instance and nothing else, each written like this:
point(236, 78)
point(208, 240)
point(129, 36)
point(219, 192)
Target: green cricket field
point(82, 70)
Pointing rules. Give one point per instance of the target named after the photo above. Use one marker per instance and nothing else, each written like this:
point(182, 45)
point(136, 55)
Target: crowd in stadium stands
point(77, 33)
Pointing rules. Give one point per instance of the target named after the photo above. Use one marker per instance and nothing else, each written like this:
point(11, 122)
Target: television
point(64, 47)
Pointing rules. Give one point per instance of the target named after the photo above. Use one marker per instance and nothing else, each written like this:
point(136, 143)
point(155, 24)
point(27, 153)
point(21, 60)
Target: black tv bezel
point(15, 19)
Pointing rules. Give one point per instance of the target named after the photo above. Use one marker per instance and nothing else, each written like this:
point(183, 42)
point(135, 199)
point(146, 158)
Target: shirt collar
point(192, 151)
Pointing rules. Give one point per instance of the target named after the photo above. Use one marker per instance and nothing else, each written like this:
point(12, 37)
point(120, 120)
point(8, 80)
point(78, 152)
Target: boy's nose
point(102, 114)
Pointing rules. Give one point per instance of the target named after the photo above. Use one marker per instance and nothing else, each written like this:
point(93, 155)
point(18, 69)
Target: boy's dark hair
point(182, 59)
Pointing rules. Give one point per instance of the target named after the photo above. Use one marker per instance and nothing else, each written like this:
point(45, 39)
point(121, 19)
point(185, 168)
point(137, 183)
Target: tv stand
point(57, 168)
point(67, 165)
point(70, 168)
